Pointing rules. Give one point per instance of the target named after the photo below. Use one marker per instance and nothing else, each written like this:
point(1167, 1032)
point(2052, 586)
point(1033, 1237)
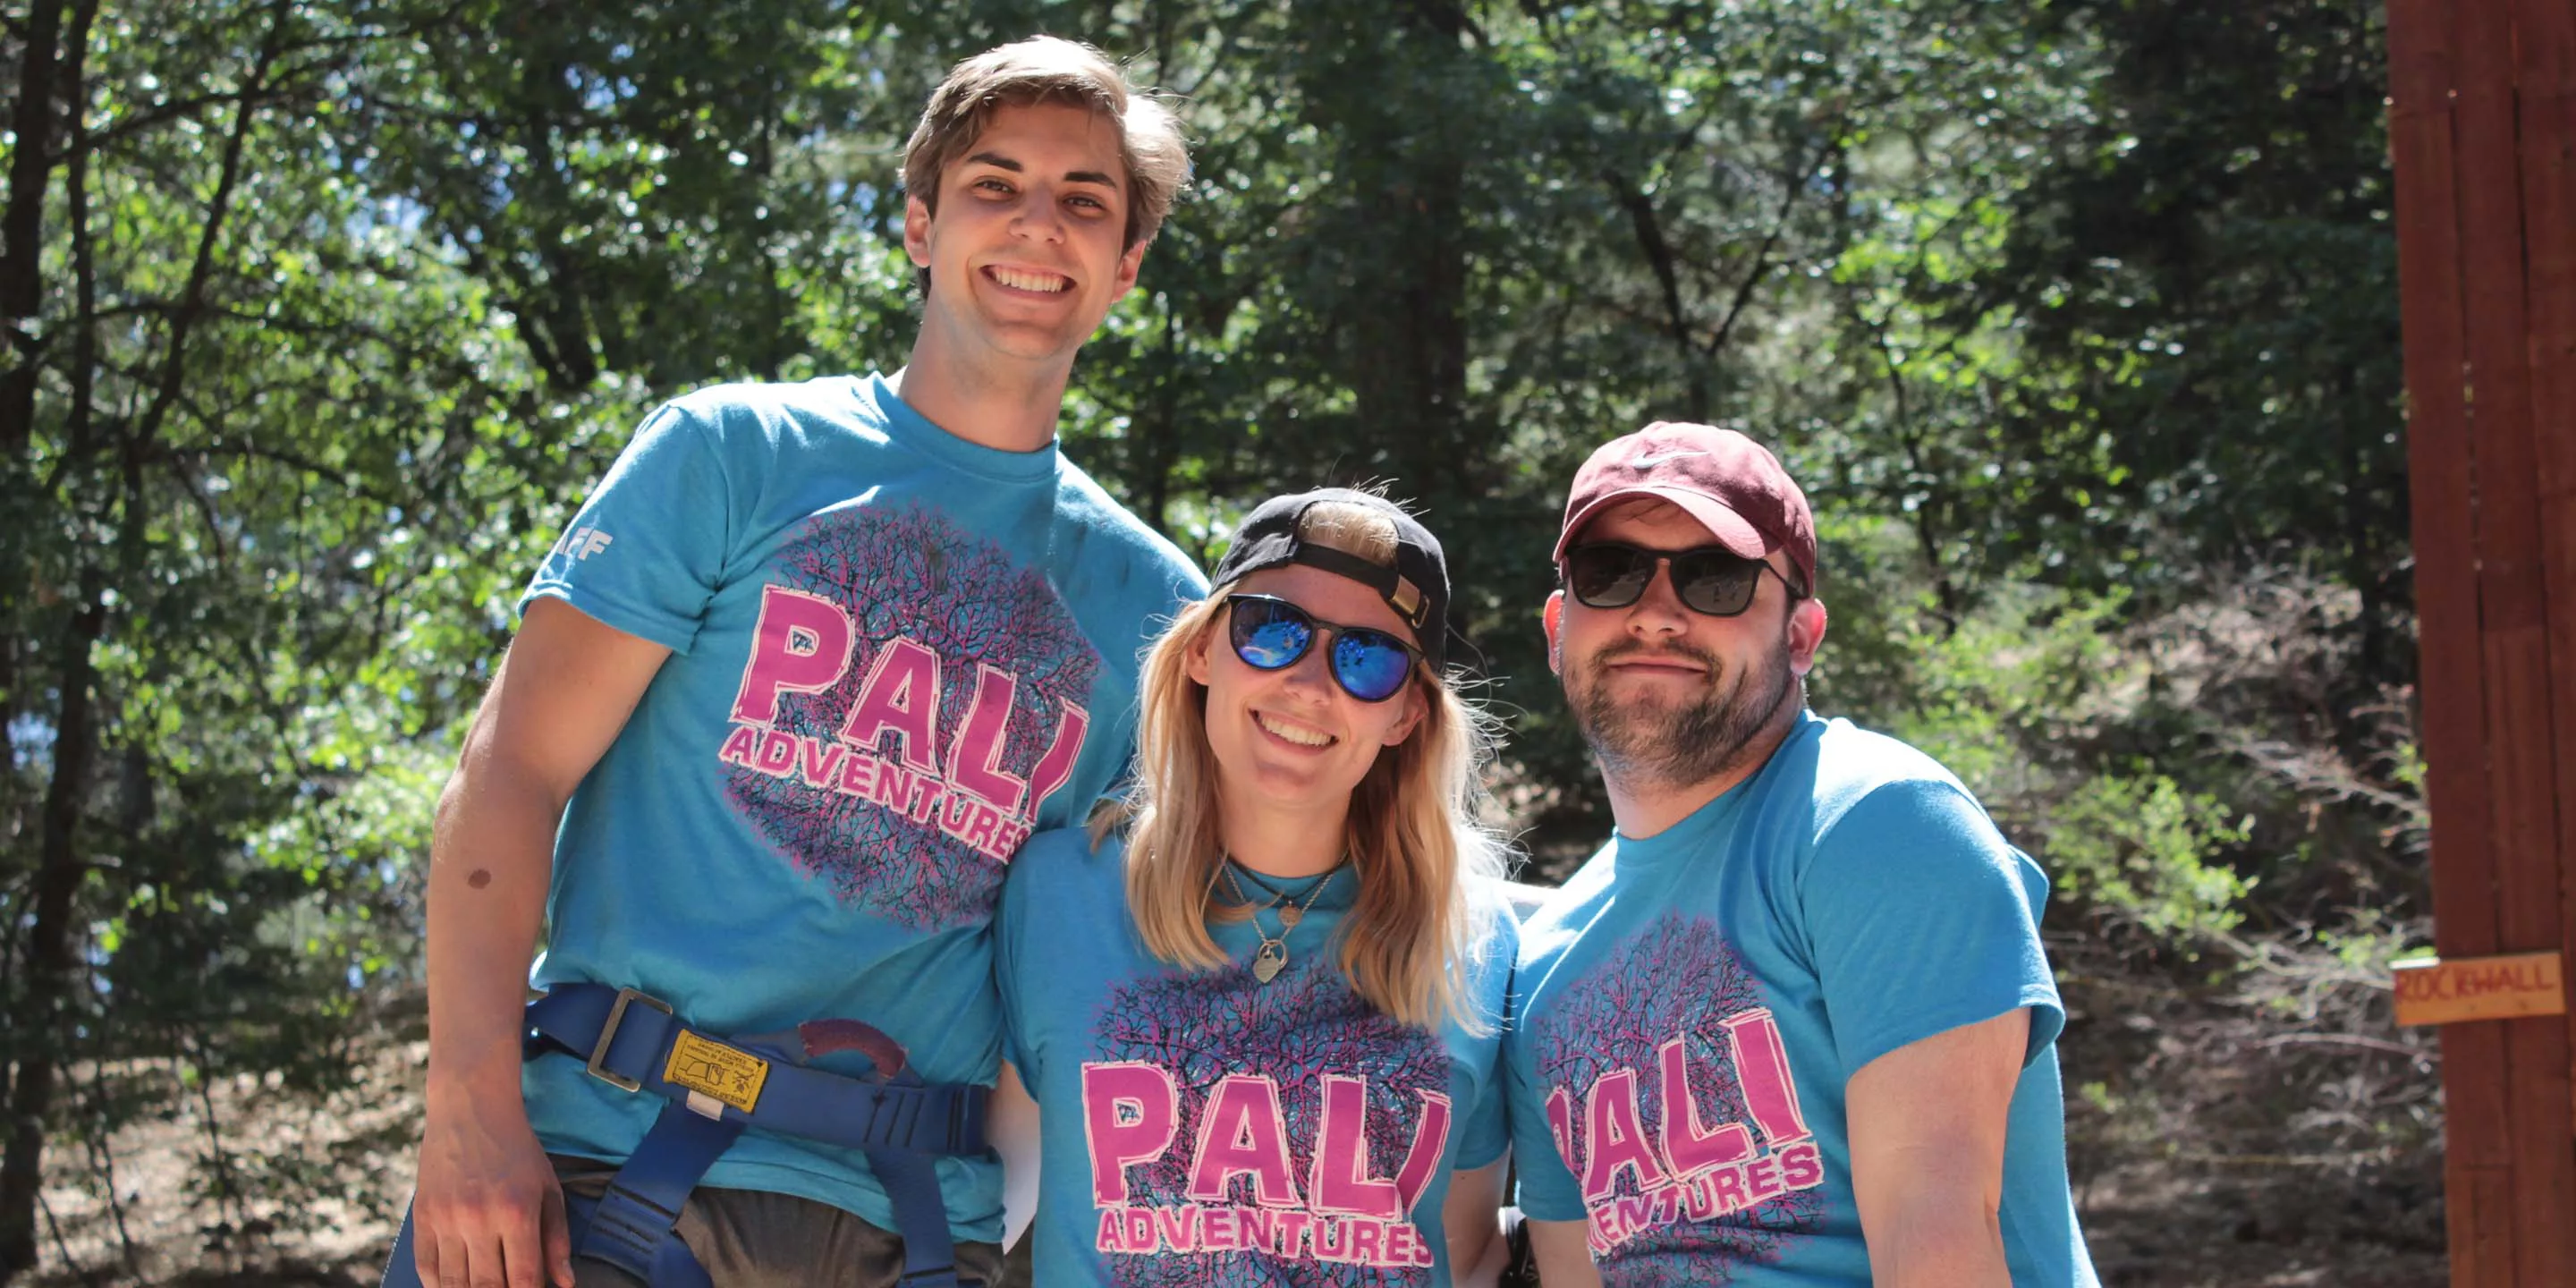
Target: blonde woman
point(1255, 1009)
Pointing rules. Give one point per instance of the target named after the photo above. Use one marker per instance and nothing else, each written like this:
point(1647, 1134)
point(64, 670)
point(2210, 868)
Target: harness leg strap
point(674, 1265)
point(920, 1217)
point(402, 1270)
point(630, 1226)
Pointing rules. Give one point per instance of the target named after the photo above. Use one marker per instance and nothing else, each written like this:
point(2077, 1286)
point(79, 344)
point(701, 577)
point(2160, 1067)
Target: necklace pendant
point(1289, 917)
point(1268, 962)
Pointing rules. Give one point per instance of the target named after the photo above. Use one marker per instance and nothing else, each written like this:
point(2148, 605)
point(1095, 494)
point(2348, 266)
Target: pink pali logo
point(1670, 1099)
point(911, 700)
point(1246, 1134)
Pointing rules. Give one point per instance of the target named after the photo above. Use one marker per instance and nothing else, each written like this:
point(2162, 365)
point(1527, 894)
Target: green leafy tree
point(2077, 320)
point(250, 404)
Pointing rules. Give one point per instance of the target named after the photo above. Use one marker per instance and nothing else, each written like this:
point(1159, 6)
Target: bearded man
point(1793, 1024)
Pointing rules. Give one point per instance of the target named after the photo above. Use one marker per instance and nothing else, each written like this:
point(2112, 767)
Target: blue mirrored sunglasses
point(1270, 634)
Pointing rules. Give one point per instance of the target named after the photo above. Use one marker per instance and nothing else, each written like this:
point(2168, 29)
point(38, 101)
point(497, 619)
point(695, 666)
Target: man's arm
point(487, 1209)
point(1564, 1260)
point(1472, 1219)
point(1927, 1145)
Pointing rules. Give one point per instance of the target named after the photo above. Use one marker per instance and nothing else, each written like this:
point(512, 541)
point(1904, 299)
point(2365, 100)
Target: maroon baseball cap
point(1731, 484)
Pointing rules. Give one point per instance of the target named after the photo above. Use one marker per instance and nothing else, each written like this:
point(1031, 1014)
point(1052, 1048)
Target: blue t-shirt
point(1687, 1010)
point(1203, 1127)
point(895, 655)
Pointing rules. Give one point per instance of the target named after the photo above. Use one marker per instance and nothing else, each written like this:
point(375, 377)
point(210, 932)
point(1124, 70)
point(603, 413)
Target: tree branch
point(1927, 535)
point(218, 209)
point(178, 456)
point(1761, 269)
point(1649, 230)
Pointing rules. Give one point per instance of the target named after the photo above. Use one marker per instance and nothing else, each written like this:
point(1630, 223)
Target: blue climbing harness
point(717, 1087)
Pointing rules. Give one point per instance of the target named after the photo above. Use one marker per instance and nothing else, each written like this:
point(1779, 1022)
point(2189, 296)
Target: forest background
point(2078, 319)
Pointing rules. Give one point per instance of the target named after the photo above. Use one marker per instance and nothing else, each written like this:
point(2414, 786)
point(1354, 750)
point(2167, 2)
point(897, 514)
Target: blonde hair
point(1417, 924)
point(1046, 69)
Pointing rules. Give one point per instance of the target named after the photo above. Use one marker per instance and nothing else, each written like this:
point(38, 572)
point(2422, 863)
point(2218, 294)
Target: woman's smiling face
point(1293, 737)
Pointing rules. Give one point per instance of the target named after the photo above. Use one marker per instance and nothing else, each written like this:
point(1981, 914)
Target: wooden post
point(2483, 133)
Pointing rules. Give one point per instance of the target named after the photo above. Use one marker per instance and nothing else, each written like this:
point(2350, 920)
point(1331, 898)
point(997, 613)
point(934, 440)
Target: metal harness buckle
point(608, 1034)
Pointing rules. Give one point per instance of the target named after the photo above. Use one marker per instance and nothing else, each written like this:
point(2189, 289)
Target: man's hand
point(487, 1212)
point(1927, 1144)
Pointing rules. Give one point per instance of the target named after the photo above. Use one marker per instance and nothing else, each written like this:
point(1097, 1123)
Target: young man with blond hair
point(808, 665)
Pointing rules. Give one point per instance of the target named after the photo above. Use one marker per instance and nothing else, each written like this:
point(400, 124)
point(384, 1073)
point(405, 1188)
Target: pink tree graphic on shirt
point(1676, 977)
point(1294, 1030)
point(910, 574)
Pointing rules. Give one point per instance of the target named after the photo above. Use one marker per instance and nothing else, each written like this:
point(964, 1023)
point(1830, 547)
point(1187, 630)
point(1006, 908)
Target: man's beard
point(1657, 744)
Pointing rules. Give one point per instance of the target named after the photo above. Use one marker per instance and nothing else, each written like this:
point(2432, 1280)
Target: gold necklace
point(1272, 956)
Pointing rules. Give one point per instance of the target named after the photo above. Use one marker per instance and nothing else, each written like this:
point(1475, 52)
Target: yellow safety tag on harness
point(729, 1075)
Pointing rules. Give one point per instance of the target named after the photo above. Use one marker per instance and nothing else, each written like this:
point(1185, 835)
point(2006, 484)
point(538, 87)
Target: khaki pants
point(752, 1239)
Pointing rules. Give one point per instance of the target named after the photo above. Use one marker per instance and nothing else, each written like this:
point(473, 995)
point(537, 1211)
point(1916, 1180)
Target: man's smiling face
point(1666, 695)
point(1025, 253)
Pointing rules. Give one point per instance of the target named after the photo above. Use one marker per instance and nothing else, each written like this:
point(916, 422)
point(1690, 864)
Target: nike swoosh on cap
point(1650, 462)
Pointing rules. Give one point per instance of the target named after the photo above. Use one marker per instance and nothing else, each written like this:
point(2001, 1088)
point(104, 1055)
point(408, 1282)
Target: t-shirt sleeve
point(1179, 586)
point(1548, 1191)
point(1488, 1124)
point(1010, 925)
point(1921, 918)
point(646, 551)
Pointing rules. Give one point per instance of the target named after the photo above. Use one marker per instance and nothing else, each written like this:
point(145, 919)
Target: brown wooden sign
point(2435, 991)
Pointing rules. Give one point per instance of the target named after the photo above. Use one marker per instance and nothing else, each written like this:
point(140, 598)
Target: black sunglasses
point(1707, 579)
point(1270, 634)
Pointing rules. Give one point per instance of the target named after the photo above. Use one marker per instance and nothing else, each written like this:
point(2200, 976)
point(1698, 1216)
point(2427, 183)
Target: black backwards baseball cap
point(1417, 587)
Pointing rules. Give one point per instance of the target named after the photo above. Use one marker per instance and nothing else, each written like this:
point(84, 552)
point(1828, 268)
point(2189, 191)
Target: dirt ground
point(2205, 1224)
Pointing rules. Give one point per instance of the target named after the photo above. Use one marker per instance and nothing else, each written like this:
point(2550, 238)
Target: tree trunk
point(51, 964)
point(1407, 314)
point(22, 225)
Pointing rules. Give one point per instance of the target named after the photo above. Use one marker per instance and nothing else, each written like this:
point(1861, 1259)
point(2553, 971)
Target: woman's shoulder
point(1060, 861)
